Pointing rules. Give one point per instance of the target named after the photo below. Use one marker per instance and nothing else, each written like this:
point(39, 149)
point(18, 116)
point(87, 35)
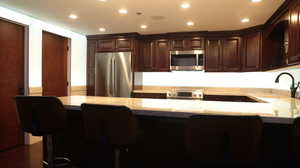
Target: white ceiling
point(92, 14)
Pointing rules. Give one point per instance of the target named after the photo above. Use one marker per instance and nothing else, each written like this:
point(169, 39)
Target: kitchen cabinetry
point(187, 44)
point(154, 55)
point(251, 53)
point(145, 60)
point(162, 55)
point(294, 32)
point(150, 95)
point(223, 55)
point(111, 45)
point(91, 52)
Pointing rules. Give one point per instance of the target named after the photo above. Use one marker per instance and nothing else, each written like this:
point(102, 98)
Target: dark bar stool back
point(224, 139)
point(295, 140)
point(43, 116)
point(110, 125)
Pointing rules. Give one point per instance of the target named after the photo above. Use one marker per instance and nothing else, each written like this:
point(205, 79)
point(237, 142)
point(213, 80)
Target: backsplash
point(216, 79)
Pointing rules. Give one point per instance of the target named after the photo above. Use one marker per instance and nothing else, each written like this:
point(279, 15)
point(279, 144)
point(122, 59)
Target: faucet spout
point(292, 88)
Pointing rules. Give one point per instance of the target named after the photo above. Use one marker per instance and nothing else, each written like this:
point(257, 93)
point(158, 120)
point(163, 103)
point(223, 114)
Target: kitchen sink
point(231, 98)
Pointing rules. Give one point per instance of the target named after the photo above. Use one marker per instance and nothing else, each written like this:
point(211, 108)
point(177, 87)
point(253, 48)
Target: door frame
point(69, 40)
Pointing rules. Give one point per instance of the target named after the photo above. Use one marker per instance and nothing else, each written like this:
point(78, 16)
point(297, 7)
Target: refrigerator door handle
point(111, 79)
point(115, 79)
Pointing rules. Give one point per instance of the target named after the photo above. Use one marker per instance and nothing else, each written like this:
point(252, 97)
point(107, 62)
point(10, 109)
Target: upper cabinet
point(223, 55)
point(146, 55)
point(187, 44)
point(154, 55)
point(213, 55)
point(294, 33)
point(251, 51)
point(111, 45)
point(162, 55)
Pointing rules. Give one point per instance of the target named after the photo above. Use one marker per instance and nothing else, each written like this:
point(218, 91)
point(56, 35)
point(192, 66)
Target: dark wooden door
point(230, 55)
point(11, 82)
point(162, 56)
point(147, 48)
point(91, 53)
point(294, 35)
point(124, 44)
point(55, 63)
point(106, 45)
point(213, 55)
point(252, 52)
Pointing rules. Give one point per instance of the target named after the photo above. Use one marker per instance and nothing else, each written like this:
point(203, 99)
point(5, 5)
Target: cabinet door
point(294, 39)
point(123, 44)
point(197, 43)
point(146, 55)
point(230, 55)
point(177, 44)
point(91, 52)
point(213, 55)
point(106, 45)
point(252, 52)
point(162, 56)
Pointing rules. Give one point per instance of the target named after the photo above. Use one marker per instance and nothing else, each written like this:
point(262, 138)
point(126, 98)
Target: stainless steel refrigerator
point(113, 74)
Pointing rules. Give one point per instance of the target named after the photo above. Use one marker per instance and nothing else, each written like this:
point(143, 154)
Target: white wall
point(78, 47)
point(210, 79)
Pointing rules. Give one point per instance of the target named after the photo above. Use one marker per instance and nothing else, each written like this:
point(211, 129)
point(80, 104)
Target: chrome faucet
point(292, 88)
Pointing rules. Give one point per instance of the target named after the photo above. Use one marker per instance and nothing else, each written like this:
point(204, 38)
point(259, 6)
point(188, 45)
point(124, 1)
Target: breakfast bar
point(271, 108)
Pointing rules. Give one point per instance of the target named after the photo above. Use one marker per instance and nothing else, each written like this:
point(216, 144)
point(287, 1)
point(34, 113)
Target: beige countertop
point(275, 109)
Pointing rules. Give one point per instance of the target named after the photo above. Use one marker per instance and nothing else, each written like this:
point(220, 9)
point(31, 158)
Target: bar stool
point(295, 140)
point(215, 140)
point(43, 116)
point(114, 126)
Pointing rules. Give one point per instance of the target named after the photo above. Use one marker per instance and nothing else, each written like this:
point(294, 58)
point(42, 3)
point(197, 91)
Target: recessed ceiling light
point(185, 5)
point(190, 23)
point(123, 11)
point(245, 20)
point(144, 26)
point(256, 1)
point(102, 0)
point(73, 16)
point(102, 29)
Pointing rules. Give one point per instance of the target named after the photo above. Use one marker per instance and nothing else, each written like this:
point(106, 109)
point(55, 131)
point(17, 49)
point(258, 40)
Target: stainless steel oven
point(192, 60)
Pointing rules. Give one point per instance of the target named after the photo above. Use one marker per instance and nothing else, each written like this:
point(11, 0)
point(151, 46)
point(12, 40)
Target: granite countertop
point(272, 108)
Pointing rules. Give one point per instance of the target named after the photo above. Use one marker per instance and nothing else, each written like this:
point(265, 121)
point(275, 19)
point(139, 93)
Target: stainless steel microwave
point(192, 60)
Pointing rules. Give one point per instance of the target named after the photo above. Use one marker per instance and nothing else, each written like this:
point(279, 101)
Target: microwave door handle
point(197, 60)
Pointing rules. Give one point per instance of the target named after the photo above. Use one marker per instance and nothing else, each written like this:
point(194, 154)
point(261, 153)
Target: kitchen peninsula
point(272, 108)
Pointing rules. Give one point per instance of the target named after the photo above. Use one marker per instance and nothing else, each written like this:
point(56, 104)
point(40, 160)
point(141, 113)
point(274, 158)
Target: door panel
point(213, 55)
point(104, 74)
point(122, 74)
point(230, 55)
point(162, 56)
point(252, 52)
point(11, 82)
point(55, 57)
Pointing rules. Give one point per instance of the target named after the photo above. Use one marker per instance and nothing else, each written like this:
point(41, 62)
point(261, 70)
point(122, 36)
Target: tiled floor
point(28, 156)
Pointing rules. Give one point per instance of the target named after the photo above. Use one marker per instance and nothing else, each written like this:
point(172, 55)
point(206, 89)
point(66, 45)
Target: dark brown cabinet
point(162, 55)
point(150, 95)
point(123, 44)
point(294, 35)
point(223, 55)
point(145, 59)
point(213, 55)
point(91, 52)
point(154, 55)
point(251, 53)
point(106, 45)
point(111, 45)
point(187, 44)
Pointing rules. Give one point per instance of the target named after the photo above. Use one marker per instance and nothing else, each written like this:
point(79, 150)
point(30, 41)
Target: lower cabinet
point(150, 95)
